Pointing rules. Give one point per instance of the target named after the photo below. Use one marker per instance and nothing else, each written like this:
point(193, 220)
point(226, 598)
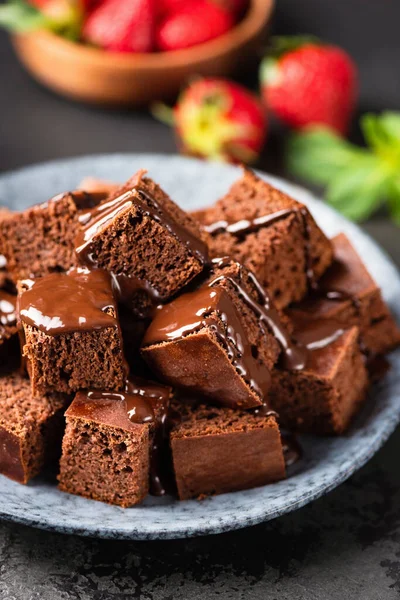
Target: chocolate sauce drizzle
point(81, 300)
point(294, 355)
point(292, 451)
point(100, 216)
point(245, 226)
point(195, 310)
point(147, 403)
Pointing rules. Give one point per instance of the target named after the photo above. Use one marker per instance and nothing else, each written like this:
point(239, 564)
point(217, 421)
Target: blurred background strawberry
point(121, 27)
point(306, 82)
point(307, 89)
point(218, 119)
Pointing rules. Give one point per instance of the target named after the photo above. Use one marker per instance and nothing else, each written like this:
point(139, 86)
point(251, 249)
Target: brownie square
point(109, 450)
point(72, 335)
point(41, 239)
point(211, 342)
point(30, 428)
point(152, 247)
point(219, 450)
point(276, 237)
point(324, 396)
point(364, 305)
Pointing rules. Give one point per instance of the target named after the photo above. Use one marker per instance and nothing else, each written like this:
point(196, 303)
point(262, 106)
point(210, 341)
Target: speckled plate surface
point(326, 463)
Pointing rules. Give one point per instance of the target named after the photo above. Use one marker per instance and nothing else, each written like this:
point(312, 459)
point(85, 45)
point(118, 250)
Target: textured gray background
point(345, 545)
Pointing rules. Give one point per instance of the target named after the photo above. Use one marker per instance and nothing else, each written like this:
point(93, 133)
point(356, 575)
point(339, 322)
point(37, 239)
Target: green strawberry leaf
point(381, 132)
point(360, 188)
point(282, 44)
point(394, 199)
point(21, 17)
point(319, 155)
point(358, 180)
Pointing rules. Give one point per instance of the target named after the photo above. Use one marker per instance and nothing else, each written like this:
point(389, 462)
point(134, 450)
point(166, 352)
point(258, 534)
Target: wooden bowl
point(92, 75)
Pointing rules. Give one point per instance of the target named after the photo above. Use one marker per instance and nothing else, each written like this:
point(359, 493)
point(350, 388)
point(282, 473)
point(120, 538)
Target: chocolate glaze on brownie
point(162, 245)
point(64, 303)
point(115, 443)
point(93, 221)
point(189, 313)
point(242, 228)
point(146, 403)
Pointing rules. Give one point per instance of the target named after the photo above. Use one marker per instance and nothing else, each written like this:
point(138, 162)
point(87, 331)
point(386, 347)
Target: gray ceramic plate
point(326, 463)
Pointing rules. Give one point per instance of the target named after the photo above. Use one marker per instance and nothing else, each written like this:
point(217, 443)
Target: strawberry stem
point(163, 113)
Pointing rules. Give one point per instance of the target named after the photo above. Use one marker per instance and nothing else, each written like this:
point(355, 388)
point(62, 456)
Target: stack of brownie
point(162, 352)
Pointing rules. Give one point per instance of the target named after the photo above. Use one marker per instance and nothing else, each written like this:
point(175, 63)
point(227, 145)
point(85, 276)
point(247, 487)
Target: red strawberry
point(219, 119)
point(126, 26)
point(170, 7)
point(308, 83)
point(196, 23)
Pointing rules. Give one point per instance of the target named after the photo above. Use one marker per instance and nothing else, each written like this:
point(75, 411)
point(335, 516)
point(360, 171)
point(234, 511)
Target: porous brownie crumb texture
point(276, 253)
point(323, 398)
point(33, 426)
point(137, 245)
point(41, 239)
point(105, 463)
point(72, 361)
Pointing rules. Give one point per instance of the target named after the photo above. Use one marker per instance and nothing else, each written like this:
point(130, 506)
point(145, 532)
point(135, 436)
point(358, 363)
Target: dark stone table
point(345, 545)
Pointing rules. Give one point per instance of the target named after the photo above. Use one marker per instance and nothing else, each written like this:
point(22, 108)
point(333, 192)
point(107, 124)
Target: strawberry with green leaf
point(217, 119)
point(60, 16)
point(358, 180)
point(306, 82)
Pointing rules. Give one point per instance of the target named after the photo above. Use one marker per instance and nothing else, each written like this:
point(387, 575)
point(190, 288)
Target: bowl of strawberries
point(133, 52)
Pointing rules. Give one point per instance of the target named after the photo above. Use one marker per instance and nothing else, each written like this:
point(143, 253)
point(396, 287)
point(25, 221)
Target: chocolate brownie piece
point(109, 449)
point(30, 428)
point(323, 397)
point(72, 335)
point(219, 341)
point(41, 239)
point(271, 234)
point(356, 300)
point(219, 450)
point(152, 247)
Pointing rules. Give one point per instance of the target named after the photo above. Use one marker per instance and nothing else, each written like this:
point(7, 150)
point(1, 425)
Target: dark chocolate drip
point(245, 226)
point(316, 334)
point(194, 311)
point(127, 287)
point(81, 300)
point(103, 214)
point(294, 354)
point(264, 410)
point(292, 451)
point(147, 403)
